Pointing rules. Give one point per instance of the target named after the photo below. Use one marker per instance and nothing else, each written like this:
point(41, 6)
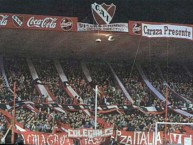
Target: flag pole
point(95, 125)
point(166, 110)
point(13, 121)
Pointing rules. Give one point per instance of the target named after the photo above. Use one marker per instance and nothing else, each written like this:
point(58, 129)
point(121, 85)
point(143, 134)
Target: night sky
point(168, 11)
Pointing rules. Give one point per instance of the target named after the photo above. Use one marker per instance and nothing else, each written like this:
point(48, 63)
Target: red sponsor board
point(135, 28)
point(38, 22)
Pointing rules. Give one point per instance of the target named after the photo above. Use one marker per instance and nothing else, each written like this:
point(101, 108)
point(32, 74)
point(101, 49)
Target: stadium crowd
point(50, 79)
point(111, 92)
point(16, 70)
point(134, 84)
point(48, 119)
point(135, 120)
point(179, 84)
point(77, 81)
point(3, 125)
point(178, 80)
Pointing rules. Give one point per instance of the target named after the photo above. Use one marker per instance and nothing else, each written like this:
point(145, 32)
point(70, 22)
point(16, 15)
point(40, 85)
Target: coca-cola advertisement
point(38, 22)
point(51, 23)
point(43, 22)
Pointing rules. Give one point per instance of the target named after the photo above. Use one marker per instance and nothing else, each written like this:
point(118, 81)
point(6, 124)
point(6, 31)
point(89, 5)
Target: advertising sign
point(38, 22)
point(156, 30)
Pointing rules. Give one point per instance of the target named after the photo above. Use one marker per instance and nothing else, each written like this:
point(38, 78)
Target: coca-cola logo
point(137, 28)
point(17, 20)
point(42, 23)
point(3, 20)
point(66, 24)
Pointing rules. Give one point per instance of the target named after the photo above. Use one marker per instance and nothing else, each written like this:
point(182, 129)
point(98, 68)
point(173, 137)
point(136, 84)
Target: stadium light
point(111, 38)
point(98, 40)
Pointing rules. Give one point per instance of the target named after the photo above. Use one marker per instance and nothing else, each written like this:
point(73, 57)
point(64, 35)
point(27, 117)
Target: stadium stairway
point(86, 72)
point(174, 92)
point(145, 110)
point(60, 71)
point(158, 94)
point(4, 77)
point(41, 88)
point(177, 95)
point(149, 85)
point(69, 90)
point(88, 77)
point(64, 80)
point(121, 85)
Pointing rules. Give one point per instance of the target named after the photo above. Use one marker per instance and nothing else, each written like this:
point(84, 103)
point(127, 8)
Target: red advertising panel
point(134, 28)
point(157, 30)
point(38, 22)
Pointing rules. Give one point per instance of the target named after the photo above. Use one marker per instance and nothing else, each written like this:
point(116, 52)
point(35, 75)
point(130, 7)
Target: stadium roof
point(83, 45)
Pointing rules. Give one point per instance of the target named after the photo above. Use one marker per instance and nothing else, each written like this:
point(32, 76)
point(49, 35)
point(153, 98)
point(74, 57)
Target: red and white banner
point(94, 141)
point(150, 29)
point(148, 138)
point(122, 137)
point(40, 138)
point(38, 22)
point(114, 27)
point(89, 133)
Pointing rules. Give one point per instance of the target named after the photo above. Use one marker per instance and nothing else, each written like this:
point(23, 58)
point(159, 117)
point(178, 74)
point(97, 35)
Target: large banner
point(148, 138)
point(38, 22)
point(82, 136)
point(150, 29)
point(90, 133)
point(40, 138)
point(114, 27)
point(122, 137)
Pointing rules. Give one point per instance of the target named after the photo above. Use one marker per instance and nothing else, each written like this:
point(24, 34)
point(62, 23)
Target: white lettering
point(166, 30)
point(42, 23)
point(90, 133)
point(143, 138)
point(85, 132)
point(63, 139)
point(138, 135)
point(43, 139)
point(123, 139)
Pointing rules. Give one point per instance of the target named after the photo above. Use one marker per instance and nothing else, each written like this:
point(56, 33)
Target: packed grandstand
point(94, 96)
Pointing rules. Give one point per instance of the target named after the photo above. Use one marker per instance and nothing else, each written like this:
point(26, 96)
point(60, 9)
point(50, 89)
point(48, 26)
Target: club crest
point(103, 14)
